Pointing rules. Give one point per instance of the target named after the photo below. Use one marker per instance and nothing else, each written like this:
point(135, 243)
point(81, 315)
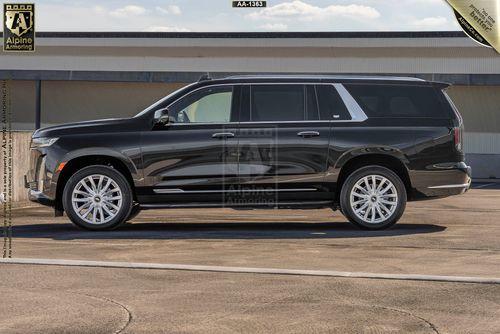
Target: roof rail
point(205, 77)
point(323, 76)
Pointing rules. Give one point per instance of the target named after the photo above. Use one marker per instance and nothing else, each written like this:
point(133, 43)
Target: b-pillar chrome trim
point(357, 113)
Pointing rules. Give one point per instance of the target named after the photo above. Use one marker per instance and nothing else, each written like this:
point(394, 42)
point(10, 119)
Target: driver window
point(208, 105)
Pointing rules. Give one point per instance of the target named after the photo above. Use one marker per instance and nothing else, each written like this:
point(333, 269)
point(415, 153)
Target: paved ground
point(456, 236)
point(86, 300)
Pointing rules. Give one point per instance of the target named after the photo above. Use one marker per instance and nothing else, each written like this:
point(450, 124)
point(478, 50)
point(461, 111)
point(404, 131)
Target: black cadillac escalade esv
point(364, 145)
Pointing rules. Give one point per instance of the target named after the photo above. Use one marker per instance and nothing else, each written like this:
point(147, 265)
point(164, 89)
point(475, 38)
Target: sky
point(218, 15)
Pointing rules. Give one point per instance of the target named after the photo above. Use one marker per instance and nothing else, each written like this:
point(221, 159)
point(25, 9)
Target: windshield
point(160, 102)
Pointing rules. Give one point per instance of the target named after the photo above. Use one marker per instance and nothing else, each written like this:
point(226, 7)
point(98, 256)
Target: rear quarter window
point(398, 101)
point(331, 105)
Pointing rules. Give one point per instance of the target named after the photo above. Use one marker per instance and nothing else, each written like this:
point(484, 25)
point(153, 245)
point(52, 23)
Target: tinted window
point(312, 111)
point(209, 105)
point(331, 105)
point(245, 104)
point(398, 101)
point(277, 103)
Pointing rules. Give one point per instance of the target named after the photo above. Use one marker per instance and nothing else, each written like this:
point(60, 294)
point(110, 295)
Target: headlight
point(42, 142)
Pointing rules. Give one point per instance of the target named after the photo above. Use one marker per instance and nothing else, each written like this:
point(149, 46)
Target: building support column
point(38, 104)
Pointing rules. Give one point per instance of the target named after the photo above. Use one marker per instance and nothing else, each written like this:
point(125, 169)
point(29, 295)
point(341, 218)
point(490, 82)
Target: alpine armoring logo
point(19, 27)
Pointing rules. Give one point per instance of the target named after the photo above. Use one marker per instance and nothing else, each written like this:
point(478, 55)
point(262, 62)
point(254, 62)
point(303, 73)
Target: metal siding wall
point(351, 63)
point(22, 96)
point(75, 101)
point(482, 143)
point(479, 106)
point(20, 164)
point(341, 55)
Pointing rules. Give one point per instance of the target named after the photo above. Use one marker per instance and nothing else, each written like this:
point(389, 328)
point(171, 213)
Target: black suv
point(364, 145)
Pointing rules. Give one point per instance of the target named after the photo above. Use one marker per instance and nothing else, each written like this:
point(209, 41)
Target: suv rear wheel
point(373, 197)
point(97, 198)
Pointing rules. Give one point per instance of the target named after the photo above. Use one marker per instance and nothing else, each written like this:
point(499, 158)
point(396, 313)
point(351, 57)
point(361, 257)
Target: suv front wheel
point(97, 198)
point(373, 197)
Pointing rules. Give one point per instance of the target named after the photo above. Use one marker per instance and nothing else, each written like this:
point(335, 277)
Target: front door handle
point(223, 135)
point(308, 134)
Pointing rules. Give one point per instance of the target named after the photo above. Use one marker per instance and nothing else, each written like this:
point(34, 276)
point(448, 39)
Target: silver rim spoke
point(97, 199)
point(82, 200)
point(374, 199)
point(364, 191)
point(88, 210)
point(108, 183)
point(108, 211)
point(99, 185)
point(84, 185)
point(83, 193)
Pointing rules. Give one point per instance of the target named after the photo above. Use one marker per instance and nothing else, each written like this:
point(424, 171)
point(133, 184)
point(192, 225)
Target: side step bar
point(287, 205)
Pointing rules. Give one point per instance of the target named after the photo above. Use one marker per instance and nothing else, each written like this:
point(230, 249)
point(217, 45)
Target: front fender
point(103, 151)
point(127, 161)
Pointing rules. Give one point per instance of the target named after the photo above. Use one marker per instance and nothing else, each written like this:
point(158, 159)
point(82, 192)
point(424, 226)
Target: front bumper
point(39, 181)
point(39, 197)
point(442, 181)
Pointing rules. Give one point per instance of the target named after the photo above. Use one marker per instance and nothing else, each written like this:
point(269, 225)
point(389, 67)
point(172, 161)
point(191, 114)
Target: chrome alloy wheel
point(374, 199)
point(97, 199)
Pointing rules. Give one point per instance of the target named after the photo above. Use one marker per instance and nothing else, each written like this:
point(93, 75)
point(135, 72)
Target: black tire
point(120, 215)
point(386, 218)
point(136, 209)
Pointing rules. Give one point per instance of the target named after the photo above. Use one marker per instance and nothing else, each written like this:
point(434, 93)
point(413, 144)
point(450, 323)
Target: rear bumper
point(441, 180)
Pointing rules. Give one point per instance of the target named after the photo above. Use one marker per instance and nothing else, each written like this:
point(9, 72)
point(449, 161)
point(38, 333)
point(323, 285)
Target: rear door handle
point(308, 134)
point(223, 135)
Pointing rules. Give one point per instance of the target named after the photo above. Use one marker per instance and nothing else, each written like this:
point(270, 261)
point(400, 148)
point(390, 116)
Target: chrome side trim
point(449, 186)
point(234, 124)
point(178, 191)
point(357, 113)
point(168, 191)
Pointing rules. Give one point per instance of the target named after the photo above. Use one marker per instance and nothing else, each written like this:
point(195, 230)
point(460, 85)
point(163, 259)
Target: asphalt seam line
point(112, 301)
point(249, 270)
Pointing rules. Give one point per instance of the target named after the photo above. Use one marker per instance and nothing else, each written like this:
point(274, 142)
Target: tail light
point(458, 136)
point(459, 124)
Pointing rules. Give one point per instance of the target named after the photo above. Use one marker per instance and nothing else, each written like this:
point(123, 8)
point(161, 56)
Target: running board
point(288, 205)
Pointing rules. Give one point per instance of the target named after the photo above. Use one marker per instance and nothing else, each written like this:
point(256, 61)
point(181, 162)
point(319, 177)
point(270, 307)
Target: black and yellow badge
point(480, 19)
point(249, 4)
point(19, 27)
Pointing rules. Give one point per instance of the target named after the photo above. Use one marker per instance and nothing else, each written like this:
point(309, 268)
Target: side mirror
point(161, 116)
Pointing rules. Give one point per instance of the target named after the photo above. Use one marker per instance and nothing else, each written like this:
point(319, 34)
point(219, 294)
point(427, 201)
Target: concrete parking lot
point(457, 236)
